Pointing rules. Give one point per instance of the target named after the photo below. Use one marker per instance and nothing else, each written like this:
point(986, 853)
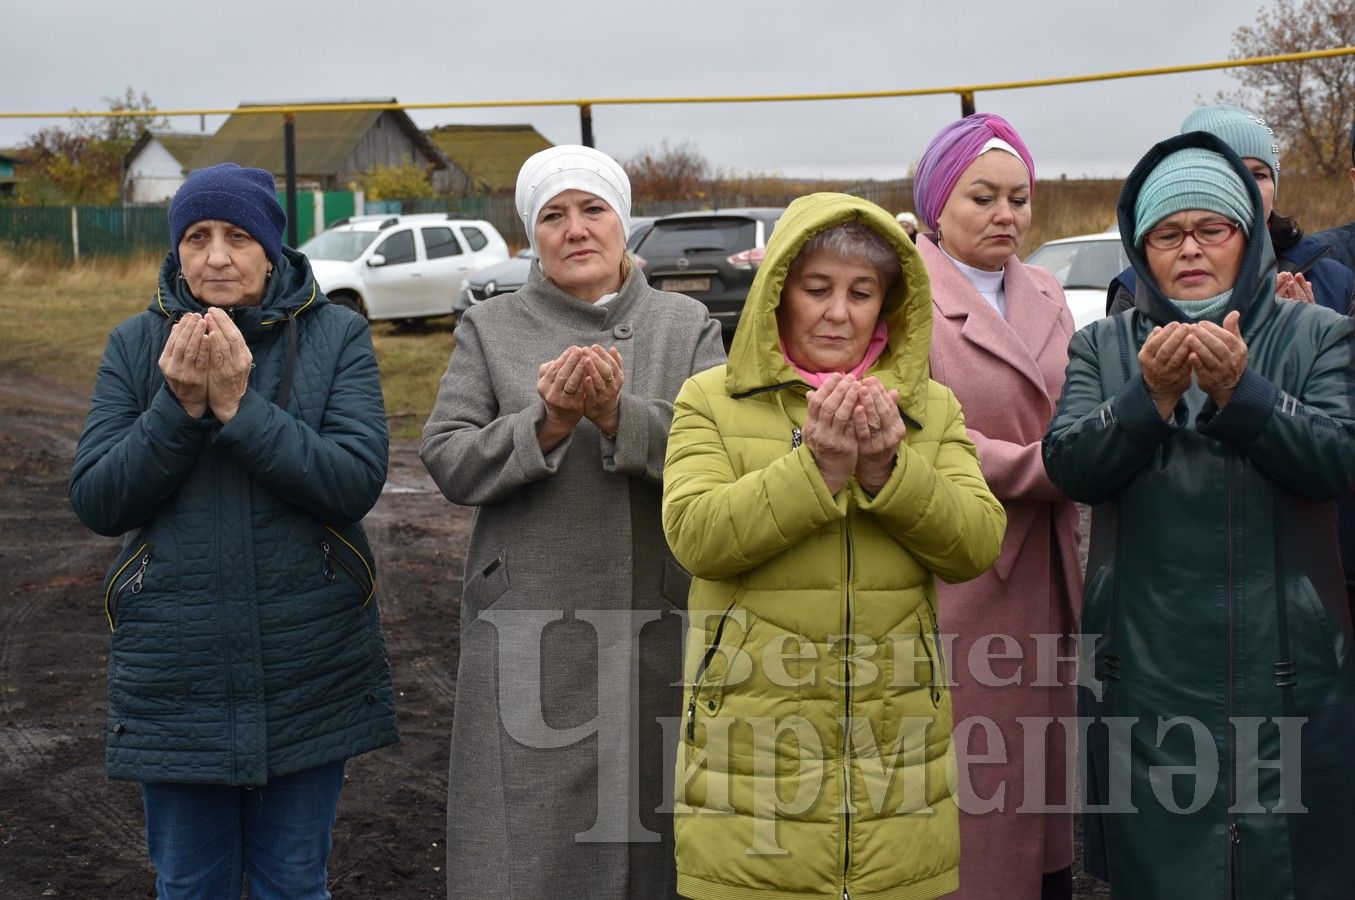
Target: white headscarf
point(548, 174)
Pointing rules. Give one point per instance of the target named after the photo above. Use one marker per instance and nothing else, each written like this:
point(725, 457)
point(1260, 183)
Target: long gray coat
point(555, 782)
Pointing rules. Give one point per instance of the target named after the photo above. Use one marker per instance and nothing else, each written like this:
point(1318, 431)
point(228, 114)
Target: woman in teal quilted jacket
point(235, 439)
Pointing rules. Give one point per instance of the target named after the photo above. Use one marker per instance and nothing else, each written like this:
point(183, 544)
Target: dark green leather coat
point(246, 641)
point(1215, 594)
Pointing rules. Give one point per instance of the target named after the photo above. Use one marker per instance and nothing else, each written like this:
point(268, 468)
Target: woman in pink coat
point(1000, 342)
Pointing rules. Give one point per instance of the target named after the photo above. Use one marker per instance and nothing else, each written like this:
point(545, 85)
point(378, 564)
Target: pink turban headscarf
point(951, 152)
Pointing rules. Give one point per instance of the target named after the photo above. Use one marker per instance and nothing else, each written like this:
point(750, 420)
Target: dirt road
point(65, 829)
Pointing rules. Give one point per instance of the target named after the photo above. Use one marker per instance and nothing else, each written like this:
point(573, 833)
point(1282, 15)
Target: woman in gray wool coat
point(552, 420)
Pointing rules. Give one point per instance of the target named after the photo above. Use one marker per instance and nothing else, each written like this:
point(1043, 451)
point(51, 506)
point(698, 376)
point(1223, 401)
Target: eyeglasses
point(1171, 237)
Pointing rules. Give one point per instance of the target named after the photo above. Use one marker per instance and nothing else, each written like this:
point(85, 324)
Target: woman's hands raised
point(1215, 355)
point(581, 381)
point(206, 364)
point(853, 426)
point(879, 430)
point(184, 363)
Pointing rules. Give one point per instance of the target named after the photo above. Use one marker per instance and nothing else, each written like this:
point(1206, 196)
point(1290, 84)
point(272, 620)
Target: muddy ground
point(65, 830)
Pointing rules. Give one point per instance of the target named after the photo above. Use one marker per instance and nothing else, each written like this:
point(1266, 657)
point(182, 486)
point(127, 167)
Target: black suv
point(711, 256)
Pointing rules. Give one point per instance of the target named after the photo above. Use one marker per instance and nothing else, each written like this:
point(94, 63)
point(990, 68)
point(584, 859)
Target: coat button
point(710, 704)
point(371, 698)
point(623, 331)
point(119, 728)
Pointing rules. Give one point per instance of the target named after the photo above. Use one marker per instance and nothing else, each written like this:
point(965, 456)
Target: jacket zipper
point(368, 587)
point(112, 595)
point(846, 734)
point(701, 671)
point(1233, 836)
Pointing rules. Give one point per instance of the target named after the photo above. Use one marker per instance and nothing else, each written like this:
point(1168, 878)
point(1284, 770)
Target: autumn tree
point(672, 172)
point(1310, 103)
point(408, 182)
point(81, 163)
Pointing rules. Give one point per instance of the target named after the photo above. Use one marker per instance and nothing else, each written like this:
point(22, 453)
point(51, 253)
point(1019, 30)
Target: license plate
point(683, 285)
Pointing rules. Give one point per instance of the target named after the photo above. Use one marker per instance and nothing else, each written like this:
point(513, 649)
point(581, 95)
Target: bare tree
point(1309, 104)
point(672, 172)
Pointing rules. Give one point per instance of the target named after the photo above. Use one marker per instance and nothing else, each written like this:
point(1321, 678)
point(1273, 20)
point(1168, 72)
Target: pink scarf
point(874, 349)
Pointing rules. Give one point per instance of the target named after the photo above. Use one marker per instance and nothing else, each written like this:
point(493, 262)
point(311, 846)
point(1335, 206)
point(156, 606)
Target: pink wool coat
point(1007, 375)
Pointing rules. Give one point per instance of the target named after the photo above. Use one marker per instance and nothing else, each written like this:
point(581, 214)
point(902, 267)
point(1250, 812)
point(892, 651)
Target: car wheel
point(350, 300)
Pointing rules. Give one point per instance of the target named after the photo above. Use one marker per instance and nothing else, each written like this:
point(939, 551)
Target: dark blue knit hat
point(230, 193)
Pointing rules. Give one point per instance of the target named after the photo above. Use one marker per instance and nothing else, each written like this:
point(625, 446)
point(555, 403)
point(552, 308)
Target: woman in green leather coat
point(1211, 428)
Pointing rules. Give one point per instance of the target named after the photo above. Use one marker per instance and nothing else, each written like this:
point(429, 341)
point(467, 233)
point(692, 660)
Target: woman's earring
point(270, 273)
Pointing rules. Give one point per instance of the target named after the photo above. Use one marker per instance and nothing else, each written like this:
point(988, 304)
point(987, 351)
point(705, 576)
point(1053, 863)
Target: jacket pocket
point(340, 556)
point(929, 639)
point(487, 586)
point(708, 683)
point(1315, 647)
point(128, 580)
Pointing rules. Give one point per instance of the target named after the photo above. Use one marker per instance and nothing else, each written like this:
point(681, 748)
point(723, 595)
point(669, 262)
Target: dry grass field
point(57, 318)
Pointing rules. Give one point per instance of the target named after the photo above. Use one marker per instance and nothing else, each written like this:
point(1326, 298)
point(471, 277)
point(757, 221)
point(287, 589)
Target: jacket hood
point(290, 291)
point(1255, 278)
point(755, 359)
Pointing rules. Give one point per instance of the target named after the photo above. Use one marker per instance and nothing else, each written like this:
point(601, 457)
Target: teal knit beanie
point(1192, 178)
point(1248, 134)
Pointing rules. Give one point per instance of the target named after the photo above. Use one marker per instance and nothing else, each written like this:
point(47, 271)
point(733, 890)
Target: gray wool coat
point(570, 668)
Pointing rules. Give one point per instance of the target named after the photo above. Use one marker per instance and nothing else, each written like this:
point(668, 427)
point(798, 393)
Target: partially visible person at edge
point(235, 439)
point(1000, 342)
point(1341, 239)
point(1327, 283)
point(1211, 430)
point(1306, 270)
point(816, 487)
point(552, 420)
point(909, 222)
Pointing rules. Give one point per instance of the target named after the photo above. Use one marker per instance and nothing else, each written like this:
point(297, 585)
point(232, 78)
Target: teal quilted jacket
point(246, 637)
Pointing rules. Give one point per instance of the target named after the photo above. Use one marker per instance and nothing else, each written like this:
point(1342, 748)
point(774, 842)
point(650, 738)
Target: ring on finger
point(570, 393)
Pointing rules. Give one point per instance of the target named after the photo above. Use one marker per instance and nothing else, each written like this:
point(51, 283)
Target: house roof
point(182, 145)
point(323, 139)
point(490, 154)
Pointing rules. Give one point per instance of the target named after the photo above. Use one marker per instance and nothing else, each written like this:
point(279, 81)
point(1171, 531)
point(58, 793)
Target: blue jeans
point(205, 839)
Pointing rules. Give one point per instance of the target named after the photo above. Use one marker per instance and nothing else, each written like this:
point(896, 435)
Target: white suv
point(401, 267)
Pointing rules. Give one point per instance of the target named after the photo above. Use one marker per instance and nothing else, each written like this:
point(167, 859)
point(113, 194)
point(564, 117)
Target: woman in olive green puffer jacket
point(815, 753)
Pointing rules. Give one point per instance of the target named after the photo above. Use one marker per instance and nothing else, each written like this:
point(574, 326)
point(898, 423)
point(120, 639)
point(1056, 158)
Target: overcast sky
point(63, 54)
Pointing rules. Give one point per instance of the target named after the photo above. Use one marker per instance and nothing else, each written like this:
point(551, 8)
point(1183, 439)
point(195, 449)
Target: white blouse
point(988, 284)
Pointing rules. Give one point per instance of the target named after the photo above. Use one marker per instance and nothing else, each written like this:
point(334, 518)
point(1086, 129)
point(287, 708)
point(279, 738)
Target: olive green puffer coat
point(1215, 599)
point(775, 797)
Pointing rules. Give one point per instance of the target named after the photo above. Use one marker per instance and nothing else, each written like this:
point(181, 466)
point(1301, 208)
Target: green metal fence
point(83, 231)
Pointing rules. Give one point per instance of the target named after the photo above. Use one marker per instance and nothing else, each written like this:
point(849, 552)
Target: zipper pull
point(1233, 834)
point(691, 717)
point(140, 573)
point(796, 438)
point(329, 569)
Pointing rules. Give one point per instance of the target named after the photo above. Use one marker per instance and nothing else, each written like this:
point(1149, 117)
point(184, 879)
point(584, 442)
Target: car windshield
point(341, 245)
point(682, 238)
point(1085, 265)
